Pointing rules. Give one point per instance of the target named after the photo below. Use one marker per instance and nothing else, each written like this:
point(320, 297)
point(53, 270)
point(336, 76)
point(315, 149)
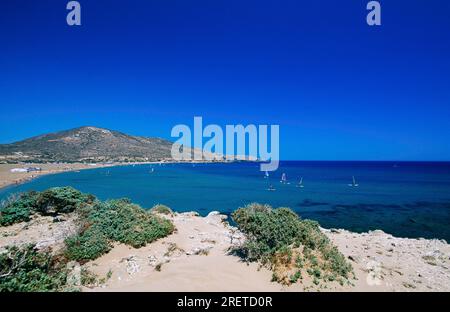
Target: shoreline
point(8, 178)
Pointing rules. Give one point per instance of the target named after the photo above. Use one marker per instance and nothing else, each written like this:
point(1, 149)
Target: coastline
point(8, 178)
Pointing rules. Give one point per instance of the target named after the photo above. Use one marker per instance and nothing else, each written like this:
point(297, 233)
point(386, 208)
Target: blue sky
point(339, 89)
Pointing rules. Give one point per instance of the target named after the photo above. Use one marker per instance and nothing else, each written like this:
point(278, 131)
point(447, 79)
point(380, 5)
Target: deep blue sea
point(406, 199)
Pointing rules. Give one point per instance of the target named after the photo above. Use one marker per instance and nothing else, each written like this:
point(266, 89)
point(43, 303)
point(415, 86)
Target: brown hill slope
point(89, 144)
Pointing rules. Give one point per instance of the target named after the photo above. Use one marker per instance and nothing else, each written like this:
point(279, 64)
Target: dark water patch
point(428, 205)
point(418, 219)
point(310, 203)
point(367, 206)
point(328, 213)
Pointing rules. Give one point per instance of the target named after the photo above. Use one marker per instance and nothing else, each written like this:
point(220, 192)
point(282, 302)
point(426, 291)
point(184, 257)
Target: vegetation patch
point(27, 270)
point(289, 246)
point(162, 209)
point(121, 221)
point(100, 224)
point(17, 208)
point(59, 200)
point(20, 207)
point(89, 244)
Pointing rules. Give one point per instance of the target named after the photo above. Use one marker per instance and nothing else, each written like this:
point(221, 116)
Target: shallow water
point(405, 199)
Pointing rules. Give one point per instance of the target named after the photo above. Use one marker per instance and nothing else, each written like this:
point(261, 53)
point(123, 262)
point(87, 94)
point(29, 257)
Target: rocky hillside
point(88, 144)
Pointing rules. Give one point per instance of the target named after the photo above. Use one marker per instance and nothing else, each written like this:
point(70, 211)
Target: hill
point(86, 144)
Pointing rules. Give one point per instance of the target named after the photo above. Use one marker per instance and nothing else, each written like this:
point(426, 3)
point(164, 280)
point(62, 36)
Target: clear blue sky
point(338, 88)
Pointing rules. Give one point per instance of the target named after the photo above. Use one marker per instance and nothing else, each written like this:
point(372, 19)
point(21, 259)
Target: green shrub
point(280, 239)
point(99, 225)
point(269, 230)
point(162, 209)
point(127, 223)
point(114, 221)
point(17, 208)
point(27, 270)
point(88, 245)
point(130, 224)
point(295, 277)
point(61, 200)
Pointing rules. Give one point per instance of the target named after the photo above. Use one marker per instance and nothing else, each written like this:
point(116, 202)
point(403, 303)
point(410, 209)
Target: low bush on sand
point(17, 208)
point(290, 246)
point(99, 224)
point(59, 200)
point(114, 221)
point(25, 269)
point(162, 209)
point(54, 201)
point(89, 244)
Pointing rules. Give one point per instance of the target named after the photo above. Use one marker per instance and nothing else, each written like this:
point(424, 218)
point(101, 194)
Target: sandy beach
point(196, 258)
point(8, 178)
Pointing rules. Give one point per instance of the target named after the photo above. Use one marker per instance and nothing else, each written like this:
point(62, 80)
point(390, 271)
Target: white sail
point(300, 183)
point(354, 184)
point(284, 179)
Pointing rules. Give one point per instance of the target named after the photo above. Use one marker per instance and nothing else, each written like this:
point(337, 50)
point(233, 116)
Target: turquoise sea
point(406, 199)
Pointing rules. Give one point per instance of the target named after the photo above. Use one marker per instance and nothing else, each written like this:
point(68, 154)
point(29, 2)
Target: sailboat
point(300, 183)
point(266, 175)
point(284, 179)
point(152, 170)
point(354, 184)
